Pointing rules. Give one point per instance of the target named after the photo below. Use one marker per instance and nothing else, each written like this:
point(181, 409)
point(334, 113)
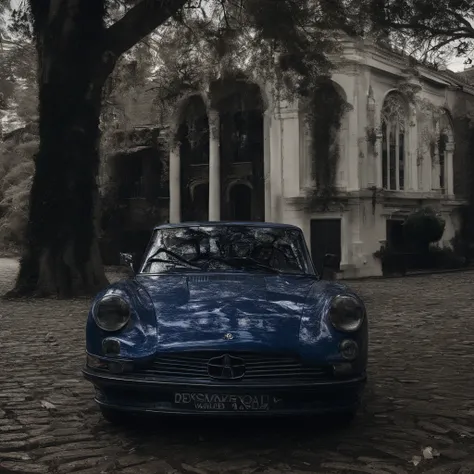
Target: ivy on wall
point(326, 109)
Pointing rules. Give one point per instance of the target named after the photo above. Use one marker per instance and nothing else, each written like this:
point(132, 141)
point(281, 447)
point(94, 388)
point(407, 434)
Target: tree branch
point(139, 22)
point(467, 25)
point(420, 27)
point(443, 43)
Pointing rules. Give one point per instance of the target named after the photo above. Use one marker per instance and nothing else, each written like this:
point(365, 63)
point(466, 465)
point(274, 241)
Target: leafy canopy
point(432, 30)
point(211, 36)
point(286, 42)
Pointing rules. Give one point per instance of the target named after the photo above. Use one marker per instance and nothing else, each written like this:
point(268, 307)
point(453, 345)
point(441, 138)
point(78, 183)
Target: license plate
point(221, 401)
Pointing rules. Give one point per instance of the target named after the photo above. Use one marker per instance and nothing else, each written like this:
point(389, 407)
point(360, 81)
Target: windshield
point(230, 248)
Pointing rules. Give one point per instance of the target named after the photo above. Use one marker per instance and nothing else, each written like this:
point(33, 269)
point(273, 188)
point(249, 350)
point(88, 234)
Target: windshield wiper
point(175, 265)
point(182, 260)
point(213, 258)
point(255, 263)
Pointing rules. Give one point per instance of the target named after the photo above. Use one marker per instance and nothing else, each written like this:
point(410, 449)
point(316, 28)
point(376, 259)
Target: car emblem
point(226, 367)
point(228, 336)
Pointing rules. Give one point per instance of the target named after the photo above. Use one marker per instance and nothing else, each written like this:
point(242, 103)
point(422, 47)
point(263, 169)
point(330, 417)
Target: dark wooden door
point(325, 238)
point(395, 235)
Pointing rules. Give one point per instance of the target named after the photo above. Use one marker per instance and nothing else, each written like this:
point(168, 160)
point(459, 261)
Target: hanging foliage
point(259, 41)
point(196, 122)
point(253, 39)
point(326, 109)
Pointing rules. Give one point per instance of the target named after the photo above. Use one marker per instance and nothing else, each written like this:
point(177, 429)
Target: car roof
point(227, 223)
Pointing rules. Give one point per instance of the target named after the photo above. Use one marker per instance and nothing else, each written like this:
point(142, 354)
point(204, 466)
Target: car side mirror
point(331, 261)
point(126, 260)
point(330, 266)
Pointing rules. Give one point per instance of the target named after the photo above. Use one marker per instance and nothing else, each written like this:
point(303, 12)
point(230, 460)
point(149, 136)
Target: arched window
point(241, 121)
point(394, 119)
point(241, 106)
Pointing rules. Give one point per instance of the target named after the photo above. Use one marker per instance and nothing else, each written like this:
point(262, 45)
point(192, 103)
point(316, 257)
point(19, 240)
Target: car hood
point(232, 311)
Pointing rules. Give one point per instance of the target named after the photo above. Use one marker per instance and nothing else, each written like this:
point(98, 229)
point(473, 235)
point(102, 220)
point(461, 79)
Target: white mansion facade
point(396, 149)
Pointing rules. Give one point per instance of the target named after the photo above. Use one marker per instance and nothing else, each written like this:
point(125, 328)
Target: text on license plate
point(219, 401)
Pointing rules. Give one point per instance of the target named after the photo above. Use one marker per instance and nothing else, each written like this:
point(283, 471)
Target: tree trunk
point(62, 256)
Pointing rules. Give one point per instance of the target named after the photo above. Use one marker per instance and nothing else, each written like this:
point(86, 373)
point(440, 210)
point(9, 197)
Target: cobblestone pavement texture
point(419, 398)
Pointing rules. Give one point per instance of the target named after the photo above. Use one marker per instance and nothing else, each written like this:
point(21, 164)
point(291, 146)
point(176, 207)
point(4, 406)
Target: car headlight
point(346, 313)
point(112, 313)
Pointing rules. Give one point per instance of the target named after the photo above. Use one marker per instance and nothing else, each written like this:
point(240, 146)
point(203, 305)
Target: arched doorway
point(193, 136)
point(240, 203)
point(241, 108)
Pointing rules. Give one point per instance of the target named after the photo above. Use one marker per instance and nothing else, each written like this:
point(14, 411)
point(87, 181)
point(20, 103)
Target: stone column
point(449, 170)
point(175, 184)
point(435, 162)
point(435, 171)
point(372, 160)
point(345, 239)
point(276, 167)
point(290, 151)
point(267, 165)
point(214, 167)
point(378, 158)
point(411, 150)
point(353, 144)
point(357, 246)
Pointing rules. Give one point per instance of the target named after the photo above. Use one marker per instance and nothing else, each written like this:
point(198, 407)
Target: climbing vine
point(371, 137)
point(429, 131)
point(325, 112)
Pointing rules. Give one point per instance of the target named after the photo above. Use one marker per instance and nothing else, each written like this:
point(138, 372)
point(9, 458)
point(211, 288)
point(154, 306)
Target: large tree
point(434, 31)
point(78, 45)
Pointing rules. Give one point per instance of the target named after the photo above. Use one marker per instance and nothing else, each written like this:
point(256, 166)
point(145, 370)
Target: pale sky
point(457, 65)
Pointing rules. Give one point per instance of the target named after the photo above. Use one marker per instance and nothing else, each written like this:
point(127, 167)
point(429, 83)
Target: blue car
point(227, 319)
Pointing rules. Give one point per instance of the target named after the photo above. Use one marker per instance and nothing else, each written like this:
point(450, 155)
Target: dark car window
point(216, 248)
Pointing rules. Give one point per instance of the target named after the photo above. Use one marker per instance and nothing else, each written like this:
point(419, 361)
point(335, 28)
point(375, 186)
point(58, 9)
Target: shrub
point(423, 227)
point(444, 258)
point(435, 258)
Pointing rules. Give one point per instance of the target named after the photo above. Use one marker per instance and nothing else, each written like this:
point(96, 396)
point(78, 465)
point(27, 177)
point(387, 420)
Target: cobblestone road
point(419, 397)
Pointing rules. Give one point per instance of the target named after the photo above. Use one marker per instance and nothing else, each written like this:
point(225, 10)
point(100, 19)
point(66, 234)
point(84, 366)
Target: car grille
point(260, 368)
point(210, 278)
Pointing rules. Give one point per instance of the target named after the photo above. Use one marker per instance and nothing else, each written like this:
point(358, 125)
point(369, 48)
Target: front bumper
point(151, 395)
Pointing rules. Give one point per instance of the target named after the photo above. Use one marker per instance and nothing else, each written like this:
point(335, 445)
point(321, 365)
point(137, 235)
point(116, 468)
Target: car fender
point(138, 338)
point(319, 340)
